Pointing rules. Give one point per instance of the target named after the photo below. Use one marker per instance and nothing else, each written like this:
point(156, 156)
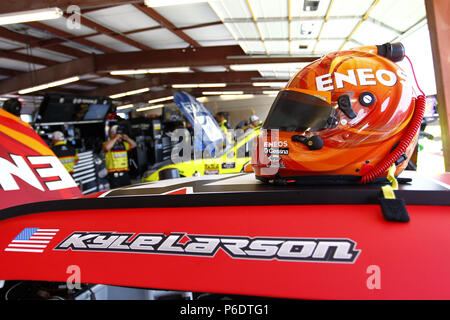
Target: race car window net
point(297, 111)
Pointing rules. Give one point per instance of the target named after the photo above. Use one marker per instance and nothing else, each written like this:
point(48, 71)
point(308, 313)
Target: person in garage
point(254, 123)
point(223, 124)
point(65, 153)
point(116, 156)
point(242, 124)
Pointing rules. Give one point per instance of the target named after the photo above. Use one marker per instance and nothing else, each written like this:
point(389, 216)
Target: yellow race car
point(231, 160)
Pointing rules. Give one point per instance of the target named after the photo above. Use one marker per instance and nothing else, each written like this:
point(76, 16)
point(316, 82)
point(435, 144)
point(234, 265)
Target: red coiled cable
point(413, 128)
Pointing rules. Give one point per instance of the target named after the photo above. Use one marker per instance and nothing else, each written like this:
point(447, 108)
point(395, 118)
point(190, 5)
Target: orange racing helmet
point(338, 118)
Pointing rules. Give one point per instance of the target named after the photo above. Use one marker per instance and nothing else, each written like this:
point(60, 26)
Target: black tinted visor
point(297, 111)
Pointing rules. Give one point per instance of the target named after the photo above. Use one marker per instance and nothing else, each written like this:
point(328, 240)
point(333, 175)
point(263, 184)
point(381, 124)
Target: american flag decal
point(32, 240)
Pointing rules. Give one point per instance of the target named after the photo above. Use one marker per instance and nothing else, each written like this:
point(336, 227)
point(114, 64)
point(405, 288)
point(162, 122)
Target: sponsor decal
point(359, 77)
point(208, 172)
point(82, 100)
point(276, 165)
point(32, 240)
point(229, 165)
point(276, 151)
point(274, 158)
point(329, 250)
point(275, 144)
point(213, 166)
point(41, 167)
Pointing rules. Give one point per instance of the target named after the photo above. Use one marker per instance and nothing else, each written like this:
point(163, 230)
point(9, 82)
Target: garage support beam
point(57, 72)
point(177, 78)
point(7, 6)
point(167, 58)
point(9, 72)
point(116, 35)
point(165, 23)
point(192, 57)
point(26, 58)
point(438, 16)
point(65, 37)
point(28, 40)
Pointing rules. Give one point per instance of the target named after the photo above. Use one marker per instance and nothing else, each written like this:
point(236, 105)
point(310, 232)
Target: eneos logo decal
point(366, 77)
point(261, 248)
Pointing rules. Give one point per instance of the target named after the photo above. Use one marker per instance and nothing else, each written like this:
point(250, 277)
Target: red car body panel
point(409, 260)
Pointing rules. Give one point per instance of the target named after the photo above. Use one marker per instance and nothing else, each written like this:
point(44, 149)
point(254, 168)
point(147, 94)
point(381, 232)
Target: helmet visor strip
point(295, 111)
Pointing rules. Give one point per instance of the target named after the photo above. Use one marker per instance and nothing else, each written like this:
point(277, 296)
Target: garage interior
point(233, 56)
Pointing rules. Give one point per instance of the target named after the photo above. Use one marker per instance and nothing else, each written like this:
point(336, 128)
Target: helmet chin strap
point(380, 169)
point(393, 209)
point(388, 190)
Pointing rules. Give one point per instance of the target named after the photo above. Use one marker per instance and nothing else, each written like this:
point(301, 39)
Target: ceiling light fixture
point(200, 85)
point(129, 93)
point(212, 85)
point(221, 92)
point(181, 86)
point(270, 92)
point(202, 99)
point(269, 84)
point(153, 70)
point(125, 106)
point(269, 66)
point(162, 3)
point(168, 70)
point(49, 85)
point(160, 99)
point(150, 108)
point(236, 97)
point(125, 72)
point(31, 15)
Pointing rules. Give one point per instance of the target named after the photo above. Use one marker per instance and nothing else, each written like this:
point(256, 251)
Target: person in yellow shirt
point(116, 157)
point(223, 124)
point(254, 124)
point(66, 154)
point(222, 121)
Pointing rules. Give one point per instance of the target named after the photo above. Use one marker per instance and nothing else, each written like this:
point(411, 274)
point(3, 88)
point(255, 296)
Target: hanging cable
point(409, 136)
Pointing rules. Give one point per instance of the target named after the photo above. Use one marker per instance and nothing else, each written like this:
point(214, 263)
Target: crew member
point(223, 123)
point(254, 124)
point(66, 154)
point(116, 157)
point(242, 124)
